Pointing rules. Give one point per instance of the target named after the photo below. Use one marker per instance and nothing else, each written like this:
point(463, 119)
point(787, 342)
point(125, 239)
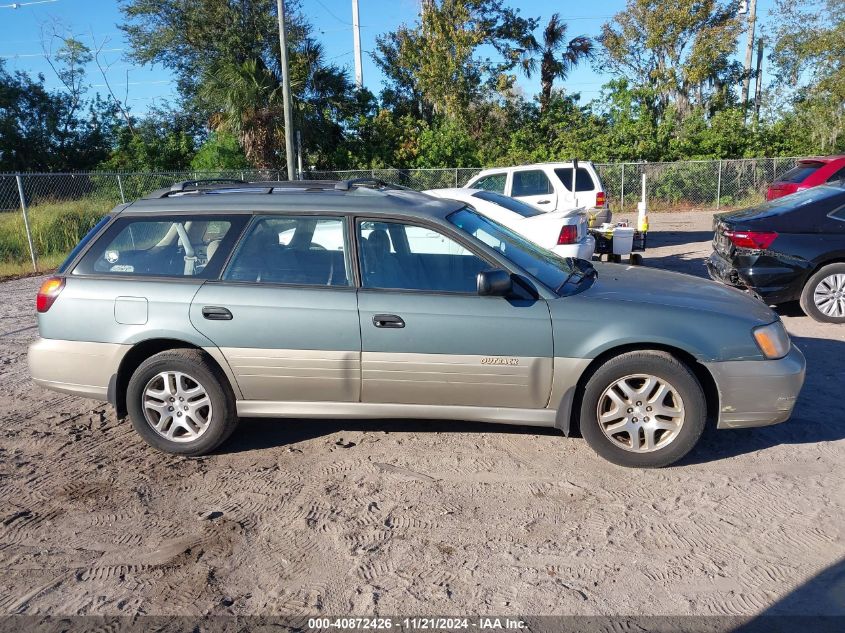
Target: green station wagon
point(210, 301)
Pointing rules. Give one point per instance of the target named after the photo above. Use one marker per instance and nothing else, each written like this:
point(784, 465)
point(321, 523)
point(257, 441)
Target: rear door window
point(493, 182)
point(583, 179)
point(293, 250)
point(163, 246)
point(531, 183)
point(800, 172)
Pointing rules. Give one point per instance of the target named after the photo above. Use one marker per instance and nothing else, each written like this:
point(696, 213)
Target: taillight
point(755, 240)
point(48, 293)
point(568, 235)
point(600, 199)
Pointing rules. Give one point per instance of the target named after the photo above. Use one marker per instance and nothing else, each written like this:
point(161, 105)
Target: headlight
point(772, 339)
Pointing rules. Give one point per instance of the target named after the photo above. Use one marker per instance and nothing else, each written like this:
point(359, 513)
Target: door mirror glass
point(495, 283)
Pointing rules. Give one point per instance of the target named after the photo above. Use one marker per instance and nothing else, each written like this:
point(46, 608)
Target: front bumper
point(758, 392)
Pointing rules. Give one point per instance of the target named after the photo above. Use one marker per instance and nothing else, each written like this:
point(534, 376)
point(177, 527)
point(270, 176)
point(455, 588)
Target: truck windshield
point(550, 269)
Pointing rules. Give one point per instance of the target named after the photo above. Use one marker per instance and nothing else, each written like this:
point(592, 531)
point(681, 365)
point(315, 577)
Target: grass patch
point(56, 229)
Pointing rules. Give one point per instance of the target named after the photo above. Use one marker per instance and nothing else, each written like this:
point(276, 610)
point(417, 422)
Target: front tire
point(643, 409)
point(180, 402)
point(823, 296)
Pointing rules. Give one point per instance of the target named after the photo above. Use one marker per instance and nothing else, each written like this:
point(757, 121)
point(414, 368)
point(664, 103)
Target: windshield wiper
point(579, 274)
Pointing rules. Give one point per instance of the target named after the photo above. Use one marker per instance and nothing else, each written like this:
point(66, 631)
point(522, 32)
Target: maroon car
point(808, 172)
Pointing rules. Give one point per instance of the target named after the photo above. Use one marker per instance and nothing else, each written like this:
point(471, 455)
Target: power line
point(22, 55)
point(18, 5)
point(134, 83)
point(331, 13)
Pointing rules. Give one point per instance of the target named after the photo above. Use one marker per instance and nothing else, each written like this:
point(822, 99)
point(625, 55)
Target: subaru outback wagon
point(207, 302)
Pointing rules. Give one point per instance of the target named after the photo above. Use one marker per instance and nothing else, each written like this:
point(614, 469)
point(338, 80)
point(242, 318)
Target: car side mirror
point(495, 283)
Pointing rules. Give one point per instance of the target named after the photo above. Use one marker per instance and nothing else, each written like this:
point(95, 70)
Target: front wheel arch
point(568, 421)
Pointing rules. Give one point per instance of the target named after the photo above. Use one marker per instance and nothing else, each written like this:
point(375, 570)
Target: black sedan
point(791, 248)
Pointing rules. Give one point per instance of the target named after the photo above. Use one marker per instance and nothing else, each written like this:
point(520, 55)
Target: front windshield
point(550, 269)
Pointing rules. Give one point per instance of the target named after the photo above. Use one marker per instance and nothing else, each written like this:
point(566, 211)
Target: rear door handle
point(543, 201)
point(388, 320)
point(215, 313)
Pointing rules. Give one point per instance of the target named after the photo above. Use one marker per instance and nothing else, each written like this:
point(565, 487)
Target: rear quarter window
point(83, 243)
point(583, 179)
point(163, 246)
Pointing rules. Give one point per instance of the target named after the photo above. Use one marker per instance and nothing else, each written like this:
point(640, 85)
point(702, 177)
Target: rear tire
point(180, 402)
point(823, 296)
point(643, 409)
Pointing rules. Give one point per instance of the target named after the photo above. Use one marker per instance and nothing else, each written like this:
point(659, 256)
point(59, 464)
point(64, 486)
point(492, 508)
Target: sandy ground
point(414, 517)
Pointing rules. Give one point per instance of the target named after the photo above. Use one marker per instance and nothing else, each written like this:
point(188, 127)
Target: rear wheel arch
point(141, 352)
point(569, 423)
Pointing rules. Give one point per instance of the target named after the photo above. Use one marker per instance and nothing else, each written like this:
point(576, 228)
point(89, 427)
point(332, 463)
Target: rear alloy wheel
point(180, 402)
point(823, 297)
point(643, 409)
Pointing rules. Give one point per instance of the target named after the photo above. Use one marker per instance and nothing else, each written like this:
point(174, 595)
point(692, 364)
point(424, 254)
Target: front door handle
point(215, 313)
point(388, 320)
point(543, 201)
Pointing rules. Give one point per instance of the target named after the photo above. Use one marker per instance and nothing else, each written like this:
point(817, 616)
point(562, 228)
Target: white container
point(623, 240)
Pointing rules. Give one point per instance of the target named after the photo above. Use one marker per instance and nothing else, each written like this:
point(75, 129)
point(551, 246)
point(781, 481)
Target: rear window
point(523, 209)
point(583, 179)
point(84, 242)
point(822, 198)
point(163, 246)
point(800, 172)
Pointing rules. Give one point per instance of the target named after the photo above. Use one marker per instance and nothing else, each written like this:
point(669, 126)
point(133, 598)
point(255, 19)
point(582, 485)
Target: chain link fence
point(62, 207)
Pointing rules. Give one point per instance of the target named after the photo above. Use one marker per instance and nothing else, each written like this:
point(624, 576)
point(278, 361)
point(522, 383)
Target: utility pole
point(356, 40)
point(749, 52)
point(283, 45)
point(758, 84)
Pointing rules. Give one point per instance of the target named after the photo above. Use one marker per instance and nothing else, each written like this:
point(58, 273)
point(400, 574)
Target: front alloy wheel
point(643, 409)
point(641, 413)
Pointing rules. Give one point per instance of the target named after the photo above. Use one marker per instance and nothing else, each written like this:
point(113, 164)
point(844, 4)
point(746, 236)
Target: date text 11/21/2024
point(417, 623)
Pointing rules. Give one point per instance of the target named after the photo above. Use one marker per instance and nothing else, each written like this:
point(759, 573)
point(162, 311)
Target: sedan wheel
point(829, 296)
point(823, 296)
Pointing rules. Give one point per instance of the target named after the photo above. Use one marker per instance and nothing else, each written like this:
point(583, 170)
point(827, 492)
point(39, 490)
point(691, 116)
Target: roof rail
point(185, 184)
point(222, 185)
point(346, 185)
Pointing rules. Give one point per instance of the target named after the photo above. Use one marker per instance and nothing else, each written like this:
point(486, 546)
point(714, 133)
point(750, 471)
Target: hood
point(659, 287)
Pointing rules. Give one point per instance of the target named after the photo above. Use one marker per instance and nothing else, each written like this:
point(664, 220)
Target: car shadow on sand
point(261, 433)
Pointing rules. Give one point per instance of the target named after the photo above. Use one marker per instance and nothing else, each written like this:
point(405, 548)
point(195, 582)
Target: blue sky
point(96, 20)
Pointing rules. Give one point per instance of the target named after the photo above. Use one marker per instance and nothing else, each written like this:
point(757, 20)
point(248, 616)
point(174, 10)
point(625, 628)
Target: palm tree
point(248, 98)
point(557, 56)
